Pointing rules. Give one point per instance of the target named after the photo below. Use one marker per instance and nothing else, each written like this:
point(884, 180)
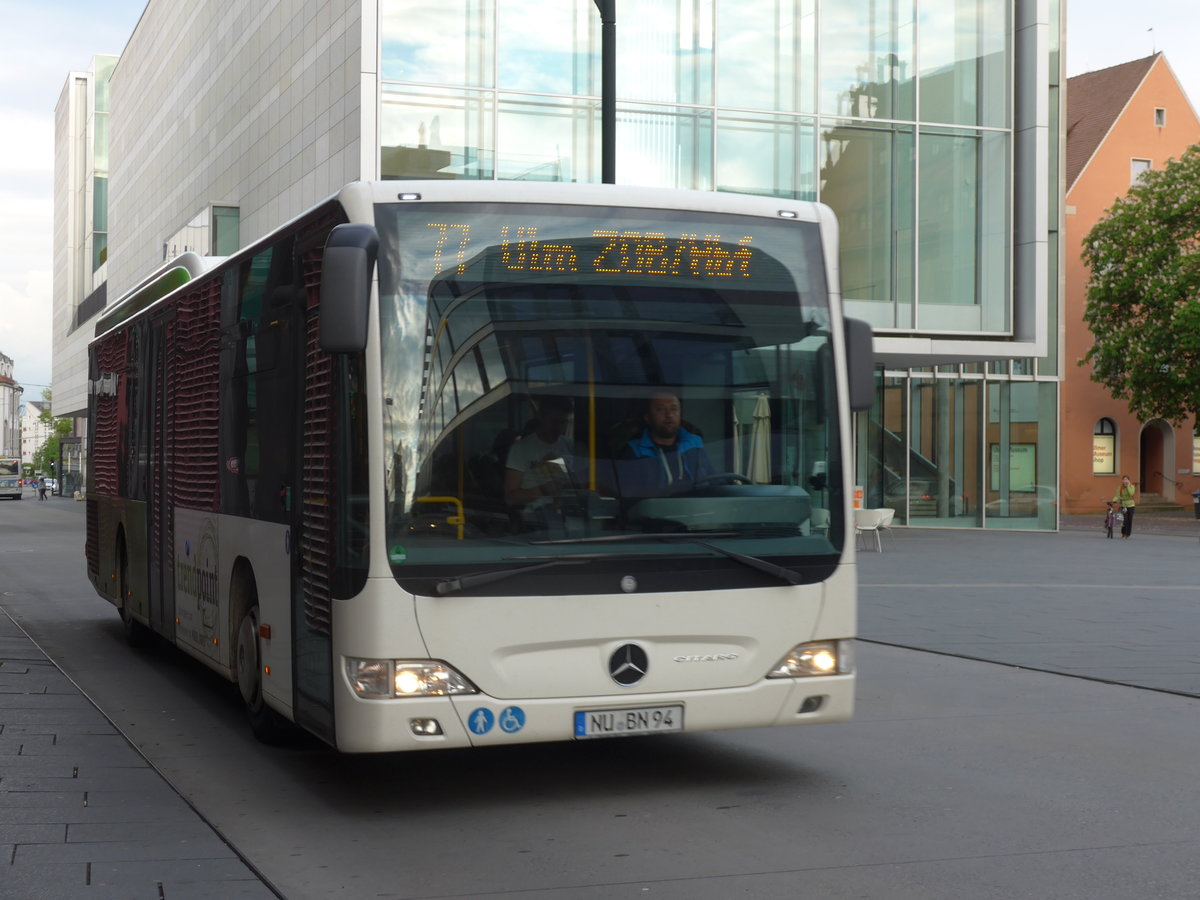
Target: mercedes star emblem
point(628, 665)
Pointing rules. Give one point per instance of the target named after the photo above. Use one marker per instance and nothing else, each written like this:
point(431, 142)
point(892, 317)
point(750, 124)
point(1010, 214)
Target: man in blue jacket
point(674, 457)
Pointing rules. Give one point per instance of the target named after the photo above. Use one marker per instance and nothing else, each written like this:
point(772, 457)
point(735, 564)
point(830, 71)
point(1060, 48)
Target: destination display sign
point(520, 250)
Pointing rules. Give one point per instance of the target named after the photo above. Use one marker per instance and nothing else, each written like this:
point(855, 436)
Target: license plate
point(601, 723)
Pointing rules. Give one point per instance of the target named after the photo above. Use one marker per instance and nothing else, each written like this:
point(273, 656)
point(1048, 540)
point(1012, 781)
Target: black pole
point(608, 90)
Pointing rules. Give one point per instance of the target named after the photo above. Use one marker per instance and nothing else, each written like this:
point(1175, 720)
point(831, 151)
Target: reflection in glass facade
point(901, 115)
point(810, 99)
point(104, 66)
point(962, 452)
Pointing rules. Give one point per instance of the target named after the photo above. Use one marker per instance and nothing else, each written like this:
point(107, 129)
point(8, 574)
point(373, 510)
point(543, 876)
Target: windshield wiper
point(780, 572)
point(452, 585)
point(651, 536)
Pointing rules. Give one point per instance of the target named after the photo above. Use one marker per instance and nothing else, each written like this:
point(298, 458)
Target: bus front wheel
point(268, 726)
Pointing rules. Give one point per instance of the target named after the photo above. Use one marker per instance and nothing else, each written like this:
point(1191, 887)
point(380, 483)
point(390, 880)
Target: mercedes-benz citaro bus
point(12, 482)
point(446, 464)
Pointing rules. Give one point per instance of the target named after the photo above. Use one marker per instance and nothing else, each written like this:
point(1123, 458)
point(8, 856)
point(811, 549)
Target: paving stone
point(190, 829)
point(15, 766)
point(199, 847)
point(17, 799)
point(44, 700)
point(59, 882)
point(204, 879)
point(153, 812)
point(96, 725)
point(120, 779)
point(32, 833)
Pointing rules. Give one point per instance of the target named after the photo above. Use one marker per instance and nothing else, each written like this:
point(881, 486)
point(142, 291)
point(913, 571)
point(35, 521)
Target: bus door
point(159, 530)
point(314, 532)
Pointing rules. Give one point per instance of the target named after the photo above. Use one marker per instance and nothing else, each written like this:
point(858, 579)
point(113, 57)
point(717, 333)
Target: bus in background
point(11, 478)
point(391, 469)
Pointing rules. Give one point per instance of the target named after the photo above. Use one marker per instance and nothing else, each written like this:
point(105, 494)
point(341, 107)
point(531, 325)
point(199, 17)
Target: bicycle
point(1111, 519)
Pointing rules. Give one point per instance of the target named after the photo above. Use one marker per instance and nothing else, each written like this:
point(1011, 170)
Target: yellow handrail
point(458, 520)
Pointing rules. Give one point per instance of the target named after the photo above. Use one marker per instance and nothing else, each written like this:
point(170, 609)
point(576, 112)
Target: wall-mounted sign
point(1022, 467)
point(1104, 454)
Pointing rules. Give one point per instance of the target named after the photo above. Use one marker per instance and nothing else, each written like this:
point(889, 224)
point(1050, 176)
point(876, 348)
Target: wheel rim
point(247, 658)
point(124, 588)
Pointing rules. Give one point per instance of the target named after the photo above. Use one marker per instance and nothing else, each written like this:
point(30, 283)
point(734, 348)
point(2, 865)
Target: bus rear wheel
point(137, 635)
point(268, 726)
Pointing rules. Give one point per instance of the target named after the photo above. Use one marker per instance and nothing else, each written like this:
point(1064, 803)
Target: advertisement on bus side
point(197, 571)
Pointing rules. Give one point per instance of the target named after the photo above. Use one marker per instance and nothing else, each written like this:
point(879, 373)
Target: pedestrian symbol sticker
point(481, 721)
point(512, 719)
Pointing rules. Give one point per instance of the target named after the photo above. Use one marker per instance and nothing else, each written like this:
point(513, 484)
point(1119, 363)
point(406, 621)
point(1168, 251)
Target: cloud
point(46, 42)
point(25, 327)
point(34, 152)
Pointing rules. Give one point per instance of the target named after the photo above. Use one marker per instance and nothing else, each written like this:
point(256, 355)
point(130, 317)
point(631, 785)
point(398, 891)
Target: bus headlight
point(815, 658)
point(384, 679)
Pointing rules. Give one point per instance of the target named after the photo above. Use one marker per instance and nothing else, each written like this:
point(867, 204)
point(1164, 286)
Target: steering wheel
point(722, 478)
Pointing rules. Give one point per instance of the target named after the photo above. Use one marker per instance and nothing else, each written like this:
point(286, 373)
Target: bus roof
point(358, 198)
point(154, 287)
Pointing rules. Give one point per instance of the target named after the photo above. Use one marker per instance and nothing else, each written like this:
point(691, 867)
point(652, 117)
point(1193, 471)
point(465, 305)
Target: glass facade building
point(929, 126)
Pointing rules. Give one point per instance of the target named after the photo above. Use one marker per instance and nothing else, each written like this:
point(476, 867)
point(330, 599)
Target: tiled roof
point(1094, 101)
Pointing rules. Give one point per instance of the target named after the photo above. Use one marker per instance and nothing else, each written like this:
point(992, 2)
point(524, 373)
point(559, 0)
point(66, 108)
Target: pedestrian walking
point(42, 488)
point(1126, 500)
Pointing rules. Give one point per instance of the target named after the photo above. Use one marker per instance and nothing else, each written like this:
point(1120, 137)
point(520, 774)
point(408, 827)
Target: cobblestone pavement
point(1181, 522)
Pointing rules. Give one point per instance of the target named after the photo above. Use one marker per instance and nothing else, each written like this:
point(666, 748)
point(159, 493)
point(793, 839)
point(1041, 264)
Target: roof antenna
point(1153, 45)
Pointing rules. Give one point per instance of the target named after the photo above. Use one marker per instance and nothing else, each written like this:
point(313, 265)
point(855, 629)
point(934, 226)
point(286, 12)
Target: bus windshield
point(565, 384)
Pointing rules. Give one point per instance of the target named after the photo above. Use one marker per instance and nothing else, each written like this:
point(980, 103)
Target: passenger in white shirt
point(537, 464)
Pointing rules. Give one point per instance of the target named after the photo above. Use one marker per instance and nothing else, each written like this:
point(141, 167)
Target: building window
point(897, 114)
point(99, 221)
point(1137, 168)
point(1160, 117)
point(226, 230)
point(1104, 448)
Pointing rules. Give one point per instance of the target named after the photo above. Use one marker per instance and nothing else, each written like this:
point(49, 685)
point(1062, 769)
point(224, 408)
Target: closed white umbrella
point(759, 468)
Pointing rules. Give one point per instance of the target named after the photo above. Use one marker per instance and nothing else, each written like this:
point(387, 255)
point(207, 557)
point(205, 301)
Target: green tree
point(47, 398)
point(48, 452)
point(1143, 296)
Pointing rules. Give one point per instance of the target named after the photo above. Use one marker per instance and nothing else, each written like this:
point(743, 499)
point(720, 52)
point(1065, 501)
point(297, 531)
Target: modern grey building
point(931, 127)
point(80, 227)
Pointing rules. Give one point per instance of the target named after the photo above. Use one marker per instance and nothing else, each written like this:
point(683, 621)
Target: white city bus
point(12, 482)
point(300, 457)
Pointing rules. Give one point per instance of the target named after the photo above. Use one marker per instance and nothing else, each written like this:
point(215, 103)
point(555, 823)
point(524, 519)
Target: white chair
point(868, 521)
point(885, 526)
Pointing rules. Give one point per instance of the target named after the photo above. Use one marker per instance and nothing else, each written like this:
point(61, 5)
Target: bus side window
point(262, 328)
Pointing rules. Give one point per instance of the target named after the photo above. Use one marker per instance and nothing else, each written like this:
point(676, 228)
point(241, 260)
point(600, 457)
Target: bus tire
point(268, 726)
point(137, 635)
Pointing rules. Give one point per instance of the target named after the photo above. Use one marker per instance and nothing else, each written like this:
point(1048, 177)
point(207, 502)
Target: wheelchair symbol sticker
point(481, 721)
point(512, 719)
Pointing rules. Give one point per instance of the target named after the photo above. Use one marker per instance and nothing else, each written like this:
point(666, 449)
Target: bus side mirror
point(860, 363)
point(347, 267)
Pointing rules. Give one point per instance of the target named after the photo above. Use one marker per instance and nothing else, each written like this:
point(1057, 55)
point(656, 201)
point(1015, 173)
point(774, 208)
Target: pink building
point(1121, 121)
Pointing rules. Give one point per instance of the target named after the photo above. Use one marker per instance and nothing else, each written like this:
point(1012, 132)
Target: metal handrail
point(1169, 478)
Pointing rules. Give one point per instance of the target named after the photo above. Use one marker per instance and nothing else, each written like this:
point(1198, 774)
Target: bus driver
point(678, 455)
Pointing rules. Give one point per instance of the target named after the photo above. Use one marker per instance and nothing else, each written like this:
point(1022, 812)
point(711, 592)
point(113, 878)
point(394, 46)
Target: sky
point(47, 39)
point(43, 42)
